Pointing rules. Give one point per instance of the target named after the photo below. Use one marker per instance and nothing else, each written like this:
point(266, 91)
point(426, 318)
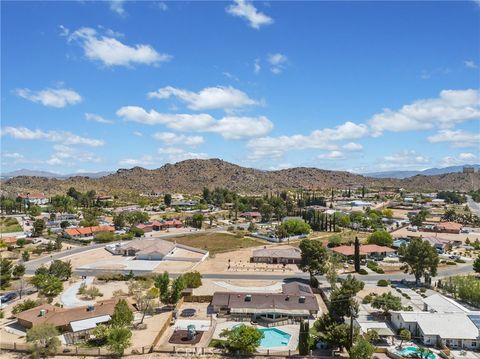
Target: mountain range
point(46, 174)
point(191, 176)
point(427, 172)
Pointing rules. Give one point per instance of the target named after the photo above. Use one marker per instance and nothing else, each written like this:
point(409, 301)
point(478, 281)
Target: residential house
point(294, 303)
point(78, 320)
point(251, 216)
point(443, 323)
point(449, 227)
point(35, 198)
point(286, 255)
point(82, 232)
point(166, 224)
point(366, 250)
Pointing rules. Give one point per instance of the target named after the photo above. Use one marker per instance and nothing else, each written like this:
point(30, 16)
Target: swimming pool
point(408, 351)
point(274, 338)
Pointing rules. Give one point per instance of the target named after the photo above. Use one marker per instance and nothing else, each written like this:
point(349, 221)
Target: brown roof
point(451, 226)
point(9, 240)
point(364, 249)
point(63, 316)
point(278, 253)
point(88, 230)
point(295, 296)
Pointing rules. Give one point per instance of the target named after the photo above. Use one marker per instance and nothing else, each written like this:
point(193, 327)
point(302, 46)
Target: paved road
point(474, 206)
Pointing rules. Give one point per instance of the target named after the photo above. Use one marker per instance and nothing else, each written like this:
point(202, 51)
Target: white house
point(443, 323)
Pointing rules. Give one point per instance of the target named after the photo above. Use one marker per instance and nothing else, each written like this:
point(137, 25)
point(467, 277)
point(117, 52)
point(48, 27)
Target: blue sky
point(360, 86)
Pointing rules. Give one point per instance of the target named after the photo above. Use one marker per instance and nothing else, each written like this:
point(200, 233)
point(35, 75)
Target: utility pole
point(351, 326)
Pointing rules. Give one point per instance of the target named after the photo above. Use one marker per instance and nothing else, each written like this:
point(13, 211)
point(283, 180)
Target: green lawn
point(216, 242)
point(9, 224)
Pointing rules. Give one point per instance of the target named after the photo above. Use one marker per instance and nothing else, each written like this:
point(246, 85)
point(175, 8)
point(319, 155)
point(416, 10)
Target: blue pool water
point(413, 350)
point(273, 338)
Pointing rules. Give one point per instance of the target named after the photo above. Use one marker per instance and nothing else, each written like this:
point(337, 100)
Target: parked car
point(8, 297)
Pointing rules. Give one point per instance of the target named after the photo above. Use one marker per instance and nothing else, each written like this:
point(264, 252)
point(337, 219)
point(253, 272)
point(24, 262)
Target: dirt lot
point(216, 242)
point(403, 232)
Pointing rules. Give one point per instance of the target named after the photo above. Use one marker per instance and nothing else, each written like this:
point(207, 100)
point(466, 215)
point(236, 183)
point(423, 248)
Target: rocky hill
point(191, 176)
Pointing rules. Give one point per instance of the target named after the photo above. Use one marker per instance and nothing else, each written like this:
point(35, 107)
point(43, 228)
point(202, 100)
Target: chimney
point(301, 299)
point(43, 312)
point(248, 298)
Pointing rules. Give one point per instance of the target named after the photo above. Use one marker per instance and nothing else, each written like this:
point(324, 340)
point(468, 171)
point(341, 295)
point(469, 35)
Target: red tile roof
point(450, 226)
point(364, 249)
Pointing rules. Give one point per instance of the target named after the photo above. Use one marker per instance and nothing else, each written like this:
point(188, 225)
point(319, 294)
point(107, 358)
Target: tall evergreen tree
point(357, 255)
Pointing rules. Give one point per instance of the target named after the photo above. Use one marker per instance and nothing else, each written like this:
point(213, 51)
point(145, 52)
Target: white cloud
point(170, 138)
point(230, 127)
point(470, 64)
point(406, 157)
point(111, 52)
point(277, 62)
point(97, 118)
point(51, 97)
point(352, 146)
point(451, 108)
point(66, 155)
point(138, 133)
point(457, 138)
point(175, 154)
point(161, 5)
point(146, 160)
point(461, 159)
point(246, 10)
point(65, 137)
point(218, 97)
point(117, 7)
point(332, 155)
point(256, 66)
point(274, 147)
point(13, 155)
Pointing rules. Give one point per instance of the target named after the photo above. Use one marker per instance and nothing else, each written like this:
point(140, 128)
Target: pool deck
point(291, 329)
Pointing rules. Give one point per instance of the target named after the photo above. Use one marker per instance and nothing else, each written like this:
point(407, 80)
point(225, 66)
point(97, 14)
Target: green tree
point(362, 349)
point(372, 336)
point(476, 265)
point(304, 338)
point(405, 335)
point(314, 258)
point(295, 227)
point(64, 224)
point(387, 302)
point(25, 305)
point(167, 199)
point(18, 271)
point(34, 210)
point(118, 340)
point(243, 339)
point(47, 285)
point(25, 256)
point(43, 340)
point(5, 272)
point(333, 333)
point(58, 243)
point(192, 279)
point(122, 315)
point(38, 227)
point(119, 220)
point(419, 258)
point(357, 255)
point(342, 299)
point(61, 270)
point(178, 285)
point(380, 238)
point(21, 242)
point(136, 217)
point(335, 240)
point(161, 282)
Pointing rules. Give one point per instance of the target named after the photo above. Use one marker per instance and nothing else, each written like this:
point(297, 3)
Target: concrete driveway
point(69, 297)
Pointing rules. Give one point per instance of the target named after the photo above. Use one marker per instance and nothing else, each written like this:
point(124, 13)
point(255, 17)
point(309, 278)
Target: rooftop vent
point(287, 297)
point(301, 299)
point(248, 298)
point(43, 312)
point(90, 308)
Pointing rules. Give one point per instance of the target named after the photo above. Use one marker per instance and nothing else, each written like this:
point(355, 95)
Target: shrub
point(368, 298)
point(25, 305)
point(362, 271)
point(382, 283)
point(405, 295)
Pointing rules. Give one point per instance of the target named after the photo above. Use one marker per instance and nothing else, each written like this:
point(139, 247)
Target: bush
point(25, 305)
point(192, 279)
point(459, 260)
point(382, 283)
point(405, 295)
point(368, 298)
point(362, 271)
